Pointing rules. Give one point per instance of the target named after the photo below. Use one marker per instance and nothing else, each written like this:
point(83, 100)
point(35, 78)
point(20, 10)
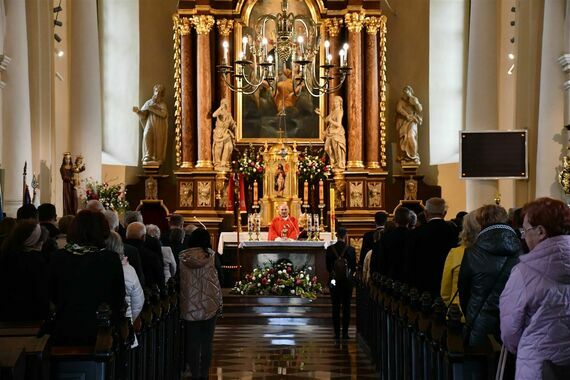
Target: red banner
point(241, 193)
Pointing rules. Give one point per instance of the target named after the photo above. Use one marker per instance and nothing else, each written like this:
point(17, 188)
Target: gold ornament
point(225, 26)
point(177, 88)
point(333, 25)
point(372, 24)
point(383, 86)
point(203, 24)
point(354, 21)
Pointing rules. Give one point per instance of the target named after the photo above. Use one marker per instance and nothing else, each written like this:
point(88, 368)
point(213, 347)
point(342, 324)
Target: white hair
point(112, 219)
point(153, 230)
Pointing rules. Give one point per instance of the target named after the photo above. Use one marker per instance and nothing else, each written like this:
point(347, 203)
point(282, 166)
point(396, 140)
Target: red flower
point(264, 281)
point(314, 280)
point(288, 269)
point(260, 169)
point(298, 282)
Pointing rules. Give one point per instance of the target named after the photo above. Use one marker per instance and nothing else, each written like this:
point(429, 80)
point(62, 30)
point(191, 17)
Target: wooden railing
point(25, 352)
point(409, 336)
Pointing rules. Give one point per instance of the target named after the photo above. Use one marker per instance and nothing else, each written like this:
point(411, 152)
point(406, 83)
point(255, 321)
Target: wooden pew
point(29, 337)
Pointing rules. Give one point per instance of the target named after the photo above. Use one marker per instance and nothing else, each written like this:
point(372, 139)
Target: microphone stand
point(237, 215)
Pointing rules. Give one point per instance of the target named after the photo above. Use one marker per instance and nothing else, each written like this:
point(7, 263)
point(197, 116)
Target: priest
point(283, 226)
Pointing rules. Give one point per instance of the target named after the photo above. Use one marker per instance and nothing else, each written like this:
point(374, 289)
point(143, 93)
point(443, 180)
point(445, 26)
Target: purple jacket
point(535, 308)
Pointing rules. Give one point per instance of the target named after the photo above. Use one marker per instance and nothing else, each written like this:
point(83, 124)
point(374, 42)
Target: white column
point(85, 86)
point(481, 100)
point(16, 136)
point(551, 104)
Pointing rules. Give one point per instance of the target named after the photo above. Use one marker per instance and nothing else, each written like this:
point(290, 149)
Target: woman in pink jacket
point(535, 304)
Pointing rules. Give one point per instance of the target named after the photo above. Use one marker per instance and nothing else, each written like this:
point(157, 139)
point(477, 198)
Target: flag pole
point(237, 213)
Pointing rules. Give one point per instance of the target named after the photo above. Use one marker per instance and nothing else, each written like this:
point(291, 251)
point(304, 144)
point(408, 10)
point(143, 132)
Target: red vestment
point(278, 224)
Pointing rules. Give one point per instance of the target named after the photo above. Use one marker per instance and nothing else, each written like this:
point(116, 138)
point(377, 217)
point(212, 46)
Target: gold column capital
point(354, 21)
point(203, 23)
point(333, 25)
point(225, 26)
point(184, 26)
point(373, 24)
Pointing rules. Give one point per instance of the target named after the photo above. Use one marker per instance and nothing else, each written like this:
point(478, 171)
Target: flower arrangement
point(281, 279)
point(564, 175)
point(312, 167)
point(111, 196)
point(250, 163)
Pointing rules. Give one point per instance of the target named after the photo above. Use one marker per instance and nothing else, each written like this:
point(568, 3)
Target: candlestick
point(332, 215)
point(306, 193)
point(255, 193)
point(317, 229)
point(226, 46)
point(300, 41)
point(244, 44)
point(321, 192)
point(327, 45)
point(309, 225)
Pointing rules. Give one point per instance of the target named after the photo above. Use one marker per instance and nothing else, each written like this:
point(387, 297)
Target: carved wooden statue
point(224, 138)
point(335, 139)
point(408, 119)
point(154, 119)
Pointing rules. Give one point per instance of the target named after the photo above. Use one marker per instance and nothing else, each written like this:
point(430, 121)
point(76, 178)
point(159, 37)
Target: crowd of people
point(510, 273)
point(61, 271)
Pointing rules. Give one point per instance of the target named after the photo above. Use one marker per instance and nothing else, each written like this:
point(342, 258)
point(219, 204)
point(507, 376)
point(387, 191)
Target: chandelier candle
point(306, 193)
point(321, 192)
point(255, 193)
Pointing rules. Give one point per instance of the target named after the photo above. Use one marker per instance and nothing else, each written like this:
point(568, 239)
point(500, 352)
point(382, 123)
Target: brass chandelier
point(296, 39)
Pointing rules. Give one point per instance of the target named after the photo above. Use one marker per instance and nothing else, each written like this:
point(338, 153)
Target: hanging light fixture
point(298, 40)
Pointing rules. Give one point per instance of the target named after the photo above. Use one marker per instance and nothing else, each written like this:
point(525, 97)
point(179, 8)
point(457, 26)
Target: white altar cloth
point(231, 237)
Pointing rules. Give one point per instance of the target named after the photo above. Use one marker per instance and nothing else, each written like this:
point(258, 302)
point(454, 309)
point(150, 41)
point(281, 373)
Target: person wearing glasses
point(535, 304)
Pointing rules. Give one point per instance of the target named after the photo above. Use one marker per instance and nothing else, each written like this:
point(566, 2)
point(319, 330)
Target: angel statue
point(335, 140)
point(224, 137)
point(408, 119)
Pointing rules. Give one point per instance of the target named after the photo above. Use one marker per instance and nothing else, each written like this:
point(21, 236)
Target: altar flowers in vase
point(281, 279)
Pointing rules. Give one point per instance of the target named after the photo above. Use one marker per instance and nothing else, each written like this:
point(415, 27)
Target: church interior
point(245, 152)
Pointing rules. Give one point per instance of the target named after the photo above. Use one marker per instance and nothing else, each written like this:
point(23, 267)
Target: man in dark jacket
point(175, 223)
point(393, 246)
point(341, 284)
point(152, 264)
point(428, 249)
point(484, 271)
point(371, 237)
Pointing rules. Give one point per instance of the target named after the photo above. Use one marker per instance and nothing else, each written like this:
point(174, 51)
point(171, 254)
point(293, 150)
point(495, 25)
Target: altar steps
point(278, 310)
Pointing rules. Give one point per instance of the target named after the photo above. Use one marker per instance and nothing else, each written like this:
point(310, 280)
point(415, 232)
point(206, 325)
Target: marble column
point(188, 116)
point(333, 26)
point(225, 27)
point(203, 25)
point(354, 22)
point(85, 106)
point(16, 128)
point(371, 100)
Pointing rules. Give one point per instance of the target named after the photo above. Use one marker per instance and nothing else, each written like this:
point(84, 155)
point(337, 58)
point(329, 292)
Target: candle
point(226, 46)
point(321, 192)
point(300, 41)
point(316, 216)
point(306, 193)
point(244, 44)
point(331, 214)
point(270, 60)
point(255, 193)
point(327, 45)
point(264, 48)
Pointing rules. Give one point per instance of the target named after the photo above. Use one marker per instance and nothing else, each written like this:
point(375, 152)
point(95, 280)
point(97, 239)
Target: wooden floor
point(284, 338)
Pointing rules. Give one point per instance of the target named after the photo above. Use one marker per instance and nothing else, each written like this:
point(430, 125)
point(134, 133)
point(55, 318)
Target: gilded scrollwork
point(186, 194)
point(383, 90)
point(203, 23)
point(204, 194)
point(225, 26)
point(374, 194)
point(356, 194)
point(177, 25)
point(354, 21)
point(356, 243)
point(333, 25)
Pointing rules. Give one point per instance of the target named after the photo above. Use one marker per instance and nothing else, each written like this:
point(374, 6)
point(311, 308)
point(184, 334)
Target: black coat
point(368, 241)
point(79, 283)
point(484, 271)
point(393, 248)
point(426, 254)
point(350, 255)
point(23, 287)
point(152, 264)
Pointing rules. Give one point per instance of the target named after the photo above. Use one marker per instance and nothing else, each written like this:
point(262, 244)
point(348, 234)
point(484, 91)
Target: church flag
point(231, 193)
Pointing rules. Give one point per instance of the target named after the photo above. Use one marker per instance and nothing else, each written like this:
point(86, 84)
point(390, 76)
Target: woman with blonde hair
point(450, 276)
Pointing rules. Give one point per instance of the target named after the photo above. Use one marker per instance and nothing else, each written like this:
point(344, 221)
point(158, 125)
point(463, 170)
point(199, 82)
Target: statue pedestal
point(151, 167)
point(410, 169)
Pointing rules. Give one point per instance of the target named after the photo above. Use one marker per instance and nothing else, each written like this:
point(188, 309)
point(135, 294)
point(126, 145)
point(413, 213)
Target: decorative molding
point(383, 91)
point(333, 25)
point(176, 28)
point(186, 194)
point(204, 194)
point(373, 24)
point(374, 194)
point(354, 21)
point(225, 26)
point(564, 61)
point(356, 194)
point(203, 23)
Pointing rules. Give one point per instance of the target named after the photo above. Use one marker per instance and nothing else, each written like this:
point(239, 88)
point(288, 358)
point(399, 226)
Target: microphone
point(202, 224)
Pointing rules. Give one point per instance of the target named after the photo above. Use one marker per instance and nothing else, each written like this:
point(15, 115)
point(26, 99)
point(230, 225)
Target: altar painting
point(258, 113)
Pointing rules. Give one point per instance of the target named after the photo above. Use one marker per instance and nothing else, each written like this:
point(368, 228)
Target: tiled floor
point(286, 349)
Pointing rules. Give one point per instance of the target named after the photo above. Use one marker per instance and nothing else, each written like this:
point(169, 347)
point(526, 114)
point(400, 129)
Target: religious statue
point(280, 176)
point(335, 140)
point(154, 119)
point(411, 190)
point(224, 137)
point(67, 172)
point(150, 188)
point(408, 118)
point(78, 167)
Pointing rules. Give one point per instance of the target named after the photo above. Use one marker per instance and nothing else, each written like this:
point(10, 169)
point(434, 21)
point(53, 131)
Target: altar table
point(257, 253)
